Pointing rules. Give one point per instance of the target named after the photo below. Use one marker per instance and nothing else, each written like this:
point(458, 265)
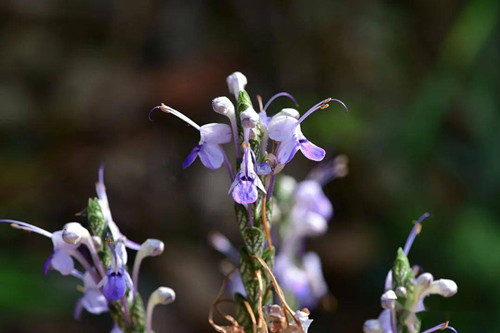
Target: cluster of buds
point(406, 288)
point(264, 145)
point(101, 252)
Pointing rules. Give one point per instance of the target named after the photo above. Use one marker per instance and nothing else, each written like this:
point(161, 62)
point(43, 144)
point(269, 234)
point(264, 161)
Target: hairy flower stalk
point(101, 251)
point(405, 291)
point(252, 186)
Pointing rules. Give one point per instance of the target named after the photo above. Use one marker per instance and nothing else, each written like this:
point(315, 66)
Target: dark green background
point(421, 79)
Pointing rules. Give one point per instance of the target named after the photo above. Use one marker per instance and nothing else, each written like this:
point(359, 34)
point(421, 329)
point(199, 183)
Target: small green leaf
point(137, 313)
point(254, 241)
point(241, 216)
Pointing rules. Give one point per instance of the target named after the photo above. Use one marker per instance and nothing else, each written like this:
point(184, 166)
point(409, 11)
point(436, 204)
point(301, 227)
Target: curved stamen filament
point(168, 109)
point(321, 105)
point(27, 227)
point(414, 232)
point(441, 327)
point(280, 94)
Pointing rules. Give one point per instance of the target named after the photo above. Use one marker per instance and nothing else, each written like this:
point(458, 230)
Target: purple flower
point(305, 282)
point(310, 196)
point(284, 127)
point(114, 284)
point(245, 185)
point(212, 136)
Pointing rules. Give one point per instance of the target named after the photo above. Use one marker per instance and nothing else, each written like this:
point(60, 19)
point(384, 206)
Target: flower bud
point(73, 233)
point(401, 291)
point(388, 299)
point(425, 280)
point(236, 82)
point(249, 118)
point(162, 295)
point(223, 106)
point(443, 287)
point(152, 247)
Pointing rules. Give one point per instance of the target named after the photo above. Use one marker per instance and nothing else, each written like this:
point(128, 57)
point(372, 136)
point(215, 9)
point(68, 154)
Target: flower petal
point(211, 155)
point(282, 126)
point(287, 150)
point(245, 192)
point(62, 262)
point(46, 264)
point(310, 150)
point(121, 254)
point(310, 196)
point(94, 301)
point(191, 157)
point(115, 286)
point(216, 133)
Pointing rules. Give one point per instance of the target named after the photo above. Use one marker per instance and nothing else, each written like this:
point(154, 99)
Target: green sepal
point(402, 274)
point(254, 240)
point(96, 218)
point(138, 314)
point(244, 101)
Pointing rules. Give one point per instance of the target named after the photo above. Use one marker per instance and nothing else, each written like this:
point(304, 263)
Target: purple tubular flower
point(117, 279)
point(212, 136)
point(284, 127)
point(245, 185)
point(115, 286)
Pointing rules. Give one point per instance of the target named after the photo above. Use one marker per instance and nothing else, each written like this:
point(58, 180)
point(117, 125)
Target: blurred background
point(421, 79)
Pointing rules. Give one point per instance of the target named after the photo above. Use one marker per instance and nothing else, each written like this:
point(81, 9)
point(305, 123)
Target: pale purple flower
point(92, 300)
point(303, 278)
point(424, 285)
point(100, 189)
point(284, 127)
point(212, 136)
point(246, 183)
point(61, 259)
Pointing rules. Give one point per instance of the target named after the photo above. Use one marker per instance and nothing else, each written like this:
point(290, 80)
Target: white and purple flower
point(246, 183)
point(212, 136)
point(284, 127)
